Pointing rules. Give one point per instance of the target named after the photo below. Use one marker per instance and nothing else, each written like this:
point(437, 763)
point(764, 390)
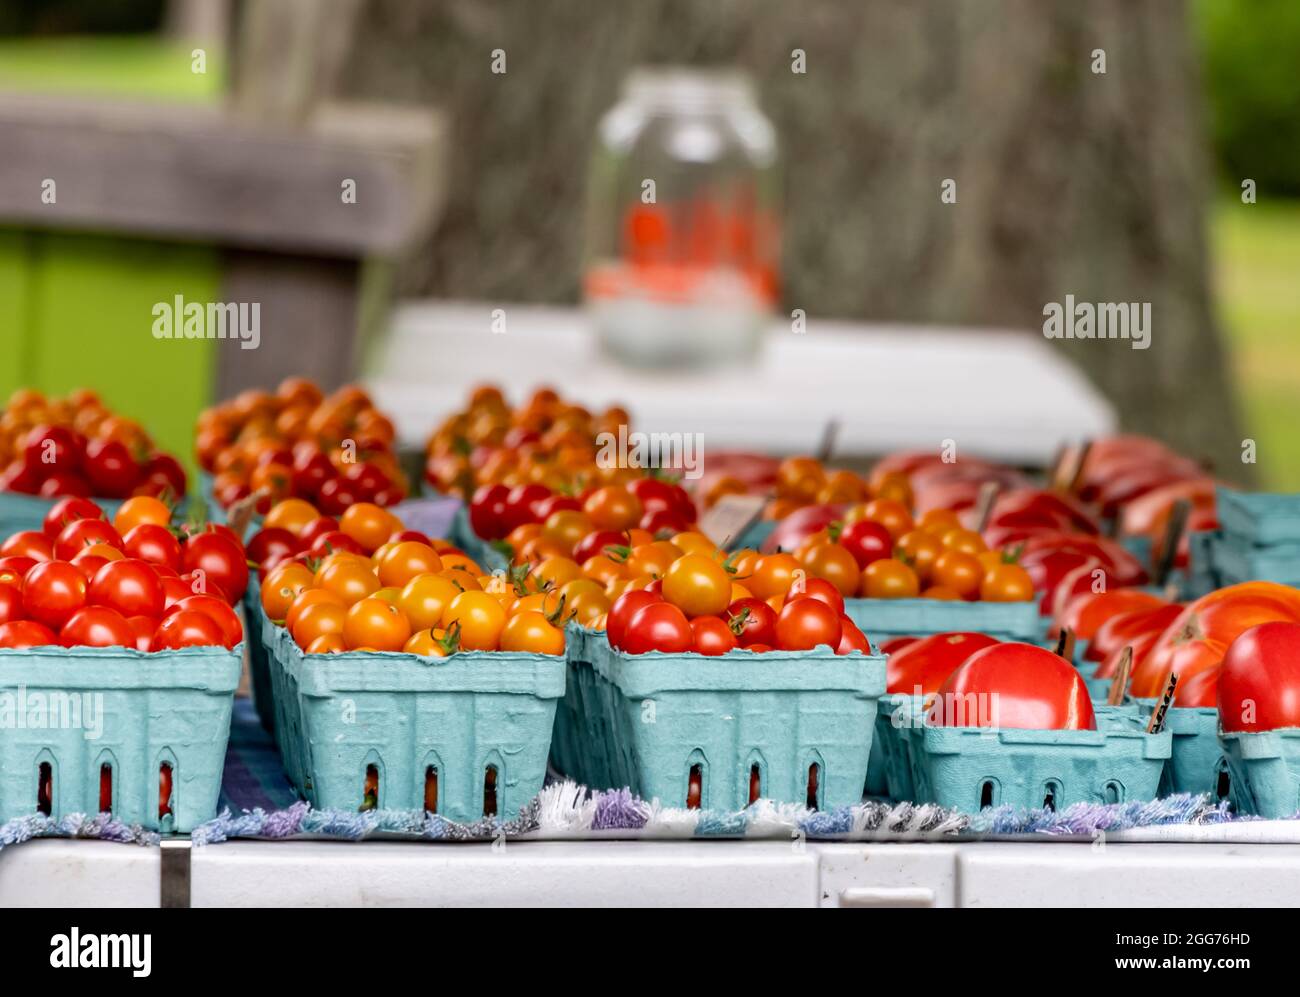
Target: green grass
point(144, 66)
point(1256, 260)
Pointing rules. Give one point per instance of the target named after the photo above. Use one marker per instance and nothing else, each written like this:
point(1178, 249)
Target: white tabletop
point(997, 393)
point(1234, 869)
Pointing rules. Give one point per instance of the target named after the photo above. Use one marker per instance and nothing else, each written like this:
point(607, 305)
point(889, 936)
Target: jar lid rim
point(688, 85)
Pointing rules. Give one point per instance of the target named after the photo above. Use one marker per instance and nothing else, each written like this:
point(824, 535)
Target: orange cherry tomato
point(1007, 582)
point(318, 620)
point(349, 579)
point(374, 623)
point(888, 578)
point(139, 510)
point(919, 549)
point(403, 561)
point(558, 570)
point(281, 587)
point(306, 599)
point(940, 592)
point(772, 576)
point(836, 564)
point(480, 618)
point(938, 521)
point(566, 527)
point(613, 508)
point(965, 540)
point(292, 514)
point(891, 514)
point(532, 632)
point(369, 524)
point(698, 585)
point(959, 571)
point(425, 598)
point(326, 644)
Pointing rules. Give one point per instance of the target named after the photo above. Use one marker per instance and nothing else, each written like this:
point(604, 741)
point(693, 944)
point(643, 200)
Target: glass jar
point(683, 243)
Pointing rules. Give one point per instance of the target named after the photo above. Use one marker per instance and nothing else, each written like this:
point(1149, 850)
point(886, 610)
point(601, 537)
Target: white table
point(1000, 394)
point(1238, 872)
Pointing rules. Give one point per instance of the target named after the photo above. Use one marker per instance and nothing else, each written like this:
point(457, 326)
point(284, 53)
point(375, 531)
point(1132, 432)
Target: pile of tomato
point(83, 581)
point(332, 451)
point(58, 447)
point(366, 583)
point(546, 441)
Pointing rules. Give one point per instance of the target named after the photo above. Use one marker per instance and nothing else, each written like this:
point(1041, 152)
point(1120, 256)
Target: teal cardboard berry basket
point(898, 711)
point(463, 736)
point(1264, 771)
point(1259, 519)
point(27, 512)
point(1237, 561)
point(970, 768)
point(791, 726)
point(89, 729)
point(1196, 760)
point(884, 619)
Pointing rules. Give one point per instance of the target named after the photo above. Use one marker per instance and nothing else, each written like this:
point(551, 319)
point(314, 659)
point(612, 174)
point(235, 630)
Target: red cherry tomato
point(83, 533)
point(554, 503)
point(142, 629)
point(660, 626)
point(52, 592)
point(415, 536)
point(817, 588)
point(334, 540)
point(232, 629)
point(759, 623)
point(222, 562)
point(1014, 685)
point(922, 666)
point(129, 586)
point(167, 468)
point(153, 543)
point(595, 543)
point(621, 613)
point(69, 510)
point(807, 622)
point(88, 564)
point(1259, 682)
point(522, 504)
point(14, 569)
point(867, 541)
point(21, 634)
point(97, 626)
point(487, 511)
point(712, 636)
point(51, 449)
point(851, 638)
point(318, 526)
point(28, 543)
point(190, 629)
point(11, 603)
point(110, 468)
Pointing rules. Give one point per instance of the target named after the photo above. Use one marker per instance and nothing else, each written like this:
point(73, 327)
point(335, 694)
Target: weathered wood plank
point(203, 174)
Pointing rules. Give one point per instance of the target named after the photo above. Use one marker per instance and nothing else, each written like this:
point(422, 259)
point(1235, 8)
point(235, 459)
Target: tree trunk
point(1068, 181)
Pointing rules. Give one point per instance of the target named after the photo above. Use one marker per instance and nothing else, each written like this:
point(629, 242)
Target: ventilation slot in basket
point(1112, 792)
point(814, 786)
point(490, 791)
point(370, 791)
point(1223, 785)
point(987, 794)
point(431, 790)
point(105, 788)
point(694, 786)
point(1051, 794)
point(755, 783)
point(44, 789)
point(164, 790)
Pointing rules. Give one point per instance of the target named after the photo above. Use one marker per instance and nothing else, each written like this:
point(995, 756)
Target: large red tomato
point(1126, 627)
point(923, 665)
point(128, 586)
point(1014, 686)
point(1084, 614)
point(222, 561)
point(52, 592)
point(1259, 682)
point(1199, 638)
